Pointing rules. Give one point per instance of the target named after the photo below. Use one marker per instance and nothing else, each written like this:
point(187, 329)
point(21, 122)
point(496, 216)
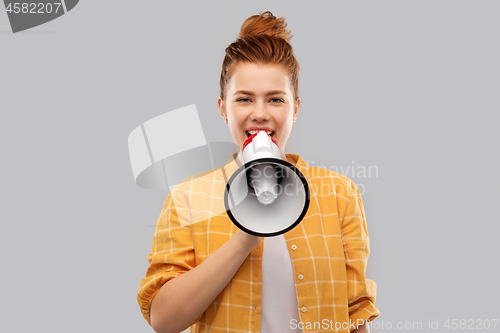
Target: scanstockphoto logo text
point(322, 185)
point(24, 15)
point(355, 172)
point(430, 324)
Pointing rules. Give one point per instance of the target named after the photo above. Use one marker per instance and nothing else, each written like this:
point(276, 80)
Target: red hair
point(263, 39)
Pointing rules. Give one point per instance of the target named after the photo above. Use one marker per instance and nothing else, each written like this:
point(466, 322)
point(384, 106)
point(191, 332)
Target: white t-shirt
point(279, 298)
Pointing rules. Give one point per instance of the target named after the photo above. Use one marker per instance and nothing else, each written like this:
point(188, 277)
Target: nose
point(260, 113)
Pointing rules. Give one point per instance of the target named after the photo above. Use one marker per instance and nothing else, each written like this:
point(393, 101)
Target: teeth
point(253, 132)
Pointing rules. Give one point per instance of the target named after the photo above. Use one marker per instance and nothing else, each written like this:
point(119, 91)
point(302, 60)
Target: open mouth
point(249, 133)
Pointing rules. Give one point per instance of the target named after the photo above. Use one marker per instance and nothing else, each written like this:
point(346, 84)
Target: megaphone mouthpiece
point(260, 145)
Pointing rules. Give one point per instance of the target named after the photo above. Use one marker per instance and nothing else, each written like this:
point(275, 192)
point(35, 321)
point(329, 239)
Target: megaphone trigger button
point(294, 247)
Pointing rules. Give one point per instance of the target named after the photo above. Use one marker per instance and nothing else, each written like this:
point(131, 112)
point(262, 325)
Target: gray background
point(409, 87)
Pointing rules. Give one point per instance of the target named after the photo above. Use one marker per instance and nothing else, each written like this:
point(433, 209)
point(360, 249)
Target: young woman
point(206, 273)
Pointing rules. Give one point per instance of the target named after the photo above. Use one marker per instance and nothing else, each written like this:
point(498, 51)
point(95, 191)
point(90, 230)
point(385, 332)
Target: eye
point(243, 100)
point(277, 100)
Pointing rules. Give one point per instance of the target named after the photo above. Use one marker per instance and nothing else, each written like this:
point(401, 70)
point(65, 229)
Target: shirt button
point(294, 247)
point(300, 276)
point(304, 309)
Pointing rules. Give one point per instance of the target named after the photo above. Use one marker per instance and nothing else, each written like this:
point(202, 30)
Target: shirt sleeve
point(172, 253)
point(361, 291)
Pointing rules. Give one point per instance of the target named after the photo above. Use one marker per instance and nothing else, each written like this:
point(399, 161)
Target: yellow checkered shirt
point(329, 248)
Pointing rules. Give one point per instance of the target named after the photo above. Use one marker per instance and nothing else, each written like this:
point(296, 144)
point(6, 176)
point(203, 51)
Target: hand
point(249, 242)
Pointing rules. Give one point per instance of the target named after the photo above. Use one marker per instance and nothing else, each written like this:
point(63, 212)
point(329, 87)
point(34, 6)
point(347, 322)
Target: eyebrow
point(272, 92)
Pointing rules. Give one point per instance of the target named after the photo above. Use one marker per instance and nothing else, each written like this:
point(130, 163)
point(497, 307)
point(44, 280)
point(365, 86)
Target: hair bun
point(265, 24)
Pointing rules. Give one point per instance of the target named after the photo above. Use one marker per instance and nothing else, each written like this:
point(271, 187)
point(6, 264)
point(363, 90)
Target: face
point(259, 97)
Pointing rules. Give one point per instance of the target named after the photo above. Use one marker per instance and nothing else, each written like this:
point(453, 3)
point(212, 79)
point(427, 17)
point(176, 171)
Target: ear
point(222, 108)
point(296, 109)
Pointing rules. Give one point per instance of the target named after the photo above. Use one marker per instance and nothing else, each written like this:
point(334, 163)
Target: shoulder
point(208, 180)
point(322, 180)
point(195, 183)
point(200, 187)
point(317, 173)
point(325, 181)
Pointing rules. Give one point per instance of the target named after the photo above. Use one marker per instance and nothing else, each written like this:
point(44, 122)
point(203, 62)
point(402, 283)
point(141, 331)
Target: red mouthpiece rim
point(250, 138)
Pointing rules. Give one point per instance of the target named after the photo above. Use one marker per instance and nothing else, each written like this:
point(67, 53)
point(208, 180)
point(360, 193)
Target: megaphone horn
point(267, 196)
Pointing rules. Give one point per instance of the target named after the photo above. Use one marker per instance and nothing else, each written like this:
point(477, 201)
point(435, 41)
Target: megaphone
point(266, 196)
